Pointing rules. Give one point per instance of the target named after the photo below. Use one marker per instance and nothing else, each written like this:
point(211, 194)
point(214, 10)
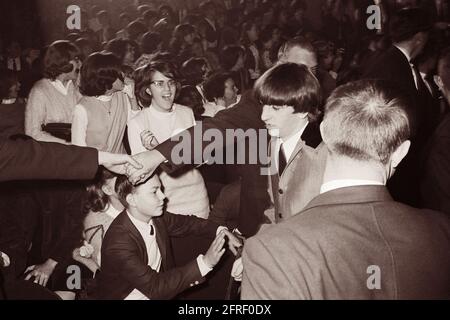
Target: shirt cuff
point(204, 269)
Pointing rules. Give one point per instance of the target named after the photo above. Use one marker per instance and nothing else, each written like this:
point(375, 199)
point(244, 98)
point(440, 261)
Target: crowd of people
point(345, 108)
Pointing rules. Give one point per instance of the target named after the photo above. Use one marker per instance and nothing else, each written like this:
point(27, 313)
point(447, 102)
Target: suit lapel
point(310, 137)
point(126, 222)
point(161, 241)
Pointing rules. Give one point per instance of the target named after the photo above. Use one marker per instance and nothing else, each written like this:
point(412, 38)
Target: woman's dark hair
point(230, 56)
point(96, 199)
point(190, 97)
point(150, 42)
point(98, 73)
point(143, 77)
point(182, 30)
point(8, 78)
point(192, 71)
point(57, 58)
point(82, 44)
point(214, 86)
point(118, 47)
point(246, 26)
point(135, 29)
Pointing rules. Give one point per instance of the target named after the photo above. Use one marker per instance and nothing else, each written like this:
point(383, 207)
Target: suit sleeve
point(119, 250)
point(265, 276)
point(245, 115)
point(29, 159)
point(182, 226)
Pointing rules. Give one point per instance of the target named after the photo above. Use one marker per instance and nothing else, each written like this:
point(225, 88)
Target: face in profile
point(148, 199)
point(230, 92)
point(73, 75)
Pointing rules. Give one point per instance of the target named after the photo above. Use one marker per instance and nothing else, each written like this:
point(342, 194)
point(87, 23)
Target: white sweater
point(186, 194)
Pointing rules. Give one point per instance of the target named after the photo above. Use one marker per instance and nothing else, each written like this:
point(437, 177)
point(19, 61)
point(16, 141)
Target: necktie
point(281, 160)
point(14, 65)
point(421, 86)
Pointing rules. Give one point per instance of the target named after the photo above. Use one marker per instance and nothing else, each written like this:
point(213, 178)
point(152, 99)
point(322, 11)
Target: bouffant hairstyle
point(192, 70)
point(230, 56)
point(214, 86)
point(98, 73)
point(118, 47)
point(143, 77)
point(96, 198)
point(150, 42)
point(57, 58)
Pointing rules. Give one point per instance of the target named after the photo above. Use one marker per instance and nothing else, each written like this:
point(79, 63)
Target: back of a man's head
point(365, 121)
point(406, 23)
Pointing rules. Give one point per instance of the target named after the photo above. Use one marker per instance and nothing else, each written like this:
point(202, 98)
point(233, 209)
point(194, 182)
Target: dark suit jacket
point(394, 67)
point(435, 184)
point(125, 262)
point(254, 199)
point(327, 250)
point(27, 159)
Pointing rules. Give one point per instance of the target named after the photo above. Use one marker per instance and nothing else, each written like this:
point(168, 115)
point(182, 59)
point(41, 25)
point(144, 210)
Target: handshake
point(137, 168)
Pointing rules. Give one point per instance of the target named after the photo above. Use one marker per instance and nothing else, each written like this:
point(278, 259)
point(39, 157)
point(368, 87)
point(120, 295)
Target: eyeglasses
point(160, 84)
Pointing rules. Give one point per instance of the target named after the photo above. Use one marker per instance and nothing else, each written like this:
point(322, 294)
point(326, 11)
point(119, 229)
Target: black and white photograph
point(232, 152)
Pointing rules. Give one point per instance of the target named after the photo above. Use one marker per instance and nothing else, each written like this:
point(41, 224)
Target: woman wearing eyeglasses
point(53, 98)
point(101, 115)
point(155, 88)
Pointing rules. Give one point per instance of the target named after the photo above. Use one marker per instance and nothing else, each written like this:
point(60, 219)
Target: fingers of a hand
point(219, 246)
point(134, 163)
point(232, 249)
point(30, 268)
point(28, 277)
point(41, 279)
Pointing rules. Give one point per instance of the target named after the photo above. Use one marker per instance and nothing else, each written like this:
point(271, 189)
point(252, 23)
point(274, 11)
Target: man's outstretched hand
point(150, 160)
point(118, 163)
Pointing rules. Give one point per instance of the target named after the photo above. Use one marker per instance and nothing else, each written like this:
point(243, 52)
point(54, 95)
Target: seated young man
point(137, 261)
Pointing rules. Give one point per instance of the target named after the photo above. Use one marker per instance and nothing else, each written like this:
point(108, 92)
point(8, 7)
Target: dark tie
point(421, 86)
point(152, 231)
point(14, 65)
point(281, 160)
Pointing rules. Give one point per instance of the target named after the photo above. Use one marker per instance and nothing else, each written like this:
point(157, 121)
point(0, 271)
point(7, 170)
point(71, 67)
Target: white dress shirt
point(342, 183)
point(288, 145)
point(154, 255)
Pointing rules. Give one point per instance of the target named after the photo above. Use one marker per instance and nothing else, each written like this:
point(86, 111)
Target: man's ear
point(400, 153)
point(107, 189)
point(130, 200)
point(148, 91)
point(321, 129)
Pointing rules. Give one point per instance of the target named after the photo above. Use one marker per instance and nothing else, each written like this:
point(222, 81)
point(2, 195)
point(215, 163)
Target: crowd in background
point(93, 87)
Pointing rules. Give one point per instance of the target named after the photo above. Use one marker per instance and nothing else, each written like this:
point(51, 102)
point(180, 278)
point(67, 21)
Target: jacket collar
point(351, 195)
point(128, 224)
